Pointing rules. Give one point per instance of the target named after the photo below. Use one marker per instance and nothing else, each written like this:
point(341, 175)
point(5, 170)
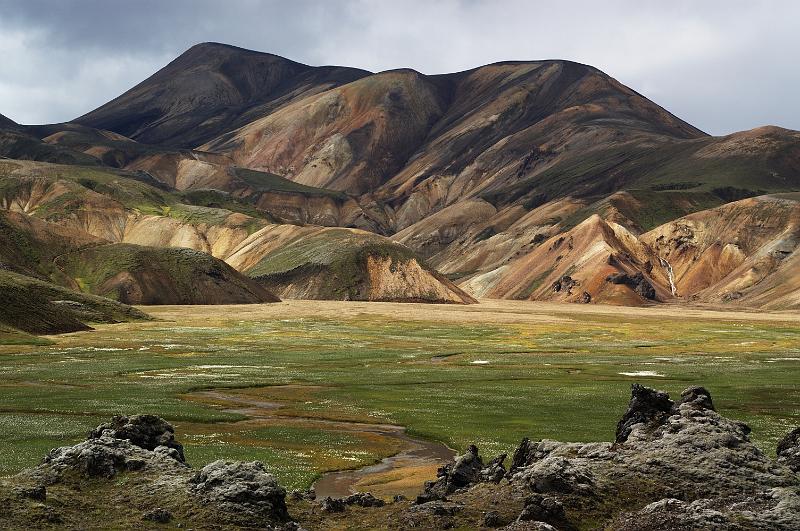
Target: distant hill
point(37, 307)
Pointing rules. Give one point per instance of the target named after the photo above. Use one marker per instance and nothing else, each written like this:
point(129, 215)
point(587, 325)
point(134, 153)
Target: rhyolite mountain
point(209, 90)
point(539, 180)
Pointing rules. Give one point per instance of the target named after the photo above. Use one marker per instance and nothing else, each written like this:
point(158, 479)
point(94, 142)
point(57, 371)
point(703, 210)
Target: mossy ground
point(553, 378)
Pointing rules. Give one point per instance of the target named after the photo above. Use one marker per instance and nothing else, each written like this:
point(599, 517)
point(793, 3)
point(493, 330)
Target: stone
point(540, 508)
point(647, 406)
point(36, 492)
point(788, 450)
point(462, 472)
point(558, 474)
point(145, 431)
point(637, 282)
point(494, 471)
point(363, 499)
point(158, 515)
point(333, 505)
point(244, 490)
point(492, 519)
point(696, 397)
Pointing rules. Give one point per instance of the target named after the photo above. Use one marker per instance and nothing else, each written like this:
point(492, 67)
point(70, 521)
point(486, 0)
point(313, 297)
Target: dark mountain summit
point(210, 89)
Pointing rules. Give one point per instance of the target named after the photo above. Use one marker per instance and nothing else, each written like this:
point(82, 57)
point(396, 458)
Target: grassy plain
point(490, 374)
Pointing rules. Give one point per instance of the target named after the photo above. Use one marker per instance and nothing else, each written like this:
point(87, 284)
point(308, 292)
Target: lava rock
point(492, 519)
point(364, 499)
point(564, 284)
point(558, 474)
point(158, 515)
point(789, 450)
point(464, 471)
point(696, 397)
point(333, 505)
point(145, 431)
point(103, 457)
point(647, 406)
point(547, 509)
point(244, 490)
point(36, 492)
point(494, 471)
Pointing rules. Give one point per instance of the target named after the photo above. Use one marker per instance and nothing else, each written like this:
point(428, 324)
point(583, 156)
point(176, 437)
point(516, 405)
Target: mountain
point(7, 123)
point(210, 89)
point(511, 180)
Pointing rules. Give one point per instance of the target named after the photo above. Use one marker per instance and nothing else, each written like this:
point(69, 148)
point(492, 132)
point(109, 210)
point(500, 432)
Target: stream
point(403, 473)
point(670, 275)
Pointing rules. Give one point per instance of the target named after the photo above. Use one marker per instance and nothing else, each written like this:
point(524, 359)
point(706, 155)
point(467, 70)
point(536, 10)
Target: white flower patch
point(643, 373)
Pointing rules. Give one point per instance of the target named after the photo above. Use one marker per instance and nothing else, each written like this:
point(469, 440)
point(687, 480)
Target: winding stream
point(403, 473)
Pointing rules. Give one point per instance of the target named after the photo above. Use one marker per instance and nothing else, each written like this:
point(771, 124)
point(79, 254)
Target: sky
point(723, 66)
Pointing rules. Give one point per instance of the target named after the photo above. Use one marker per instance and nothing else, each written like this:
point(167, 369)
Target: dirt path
point(403, 473)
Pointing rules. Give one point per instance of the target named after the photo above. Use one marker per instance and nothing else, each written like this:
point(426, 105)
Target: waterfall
point(670, 275)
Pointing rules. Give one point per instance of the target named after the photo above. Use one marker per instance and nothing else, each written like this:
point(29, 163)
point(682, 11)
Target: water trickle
point(670, 275)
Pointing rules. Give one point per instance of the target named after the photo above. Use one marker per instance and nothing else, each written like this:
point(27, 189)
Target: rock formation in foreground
point(674, 465)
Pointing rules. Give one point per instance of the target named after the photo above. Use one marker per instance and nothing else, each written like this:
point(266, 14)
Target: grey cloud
point(722, 65)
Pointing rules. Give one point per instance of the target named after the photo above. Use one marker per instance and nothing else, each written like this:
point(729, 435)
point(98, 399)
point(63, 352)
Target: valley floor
point(314, 386)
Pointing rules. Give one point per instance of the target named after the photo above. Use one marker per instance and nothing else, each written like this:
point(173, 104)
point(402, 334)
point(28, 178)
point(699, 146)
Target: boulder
point(558, 474)
point(158, 515)
point(363, 499)
point(539, 508)
point(776, 510)
point(245, 491)
point(333, 505)
point(494, 471)
point(789, 450)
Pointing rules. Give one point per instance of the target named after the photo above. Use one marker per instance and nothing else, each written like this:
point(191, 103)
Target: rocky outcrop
point(789, 450)
point(145, 431)
point(637, 282)
point(227, 493)
point(466, 470)
point(245, 491)
point(647, 406)
point(125, 444)
point(675, 465)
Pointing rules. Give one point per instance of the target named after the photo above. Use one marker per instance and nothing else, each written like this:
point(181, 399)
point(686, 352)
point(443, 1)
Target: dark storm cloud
point(721, 65)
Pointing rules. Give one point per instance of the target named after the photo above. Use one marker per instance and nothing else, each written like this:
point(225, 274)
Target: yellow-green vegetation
point(341, 253)
point(32, 306)
point(496, 374)
point(269, 182)
point(135, 191)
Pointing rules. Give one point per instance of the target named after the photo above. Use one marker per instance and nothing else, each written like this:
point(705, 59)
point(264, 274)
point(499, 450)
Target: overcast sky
point(721, 65)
